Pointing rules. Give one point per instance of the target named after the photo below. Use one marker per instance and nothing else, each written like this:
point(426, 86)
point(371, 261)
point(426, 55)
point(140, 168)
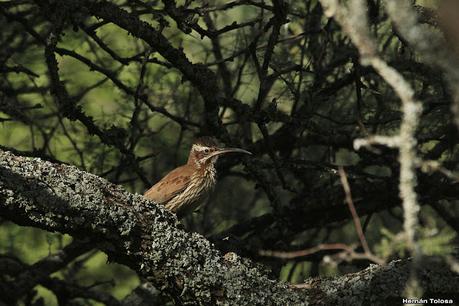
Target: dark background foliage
point(81, 84)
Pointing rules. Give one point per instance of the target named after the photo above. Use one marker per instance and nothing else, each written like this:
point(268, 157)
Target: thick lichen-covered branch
point(132, 231)
point(148, 239)
point(383, 285)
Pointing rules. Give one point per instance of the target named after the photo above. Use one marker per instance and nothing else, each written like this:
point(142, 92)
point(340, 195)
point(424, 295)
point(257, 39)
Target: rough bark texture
point(379, 285)
point(148, 239)
point(132, 231)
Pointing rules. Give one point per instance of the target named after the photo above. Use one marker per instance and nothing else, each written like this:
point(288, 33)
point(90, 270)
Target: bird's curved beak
point(229, 150)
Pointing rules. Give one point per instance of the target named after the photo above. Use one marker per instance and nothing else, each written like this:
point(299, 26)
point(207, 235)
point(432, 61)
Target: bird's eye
point(206, 151)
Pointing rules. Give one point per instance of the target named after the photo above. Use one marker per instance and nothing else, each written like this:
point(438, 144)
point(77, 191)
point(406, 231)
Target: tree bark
point(145, 237)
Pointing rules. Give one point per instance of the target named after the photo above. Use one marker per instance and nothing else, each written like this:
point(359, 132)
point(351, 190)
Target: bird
point(182, 189)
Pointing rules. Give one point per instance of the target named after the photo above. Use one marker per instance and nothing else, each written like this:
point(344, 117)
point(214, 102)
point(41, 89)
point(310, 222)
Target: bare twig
point(348, 253)
point(350, 203)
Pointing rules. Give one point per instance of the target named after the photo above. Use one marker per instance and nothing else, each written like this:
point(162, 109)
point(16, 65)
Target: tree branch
point(148, 239)
point(133, 232)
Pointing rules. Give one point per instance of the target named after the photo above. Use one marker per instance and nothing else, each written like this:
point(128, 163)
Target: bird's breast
point(201, 183)
point(204, 181)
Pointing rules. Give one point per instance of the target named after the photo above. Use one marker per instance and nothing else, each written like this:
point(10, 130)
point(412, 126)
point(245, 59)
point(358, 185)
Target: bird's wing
point(169, 186)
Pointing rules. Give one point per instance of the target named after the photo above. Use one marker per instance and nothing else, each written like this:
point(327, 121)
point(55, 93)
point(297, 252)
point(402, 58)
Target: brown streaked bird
point(182, 189)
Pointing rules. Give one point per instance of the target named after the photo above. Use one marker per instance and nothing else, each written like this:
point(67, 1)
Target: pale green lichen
point(140, 234)
point(147, 238)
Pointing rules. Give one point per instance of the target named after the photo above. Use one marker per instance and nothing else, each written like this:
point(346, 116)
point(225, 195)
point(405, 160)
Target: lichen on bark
point(132, 231)
point(137, 233)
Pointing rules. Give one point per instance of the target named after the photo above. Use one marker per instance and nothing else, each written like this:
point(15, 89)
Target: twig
point(348, 253)
point(306, 252)
point(350, 203)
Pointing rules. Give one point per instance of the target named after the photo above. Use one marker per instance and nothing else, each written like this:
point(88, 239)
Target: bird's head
point(205, 152)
